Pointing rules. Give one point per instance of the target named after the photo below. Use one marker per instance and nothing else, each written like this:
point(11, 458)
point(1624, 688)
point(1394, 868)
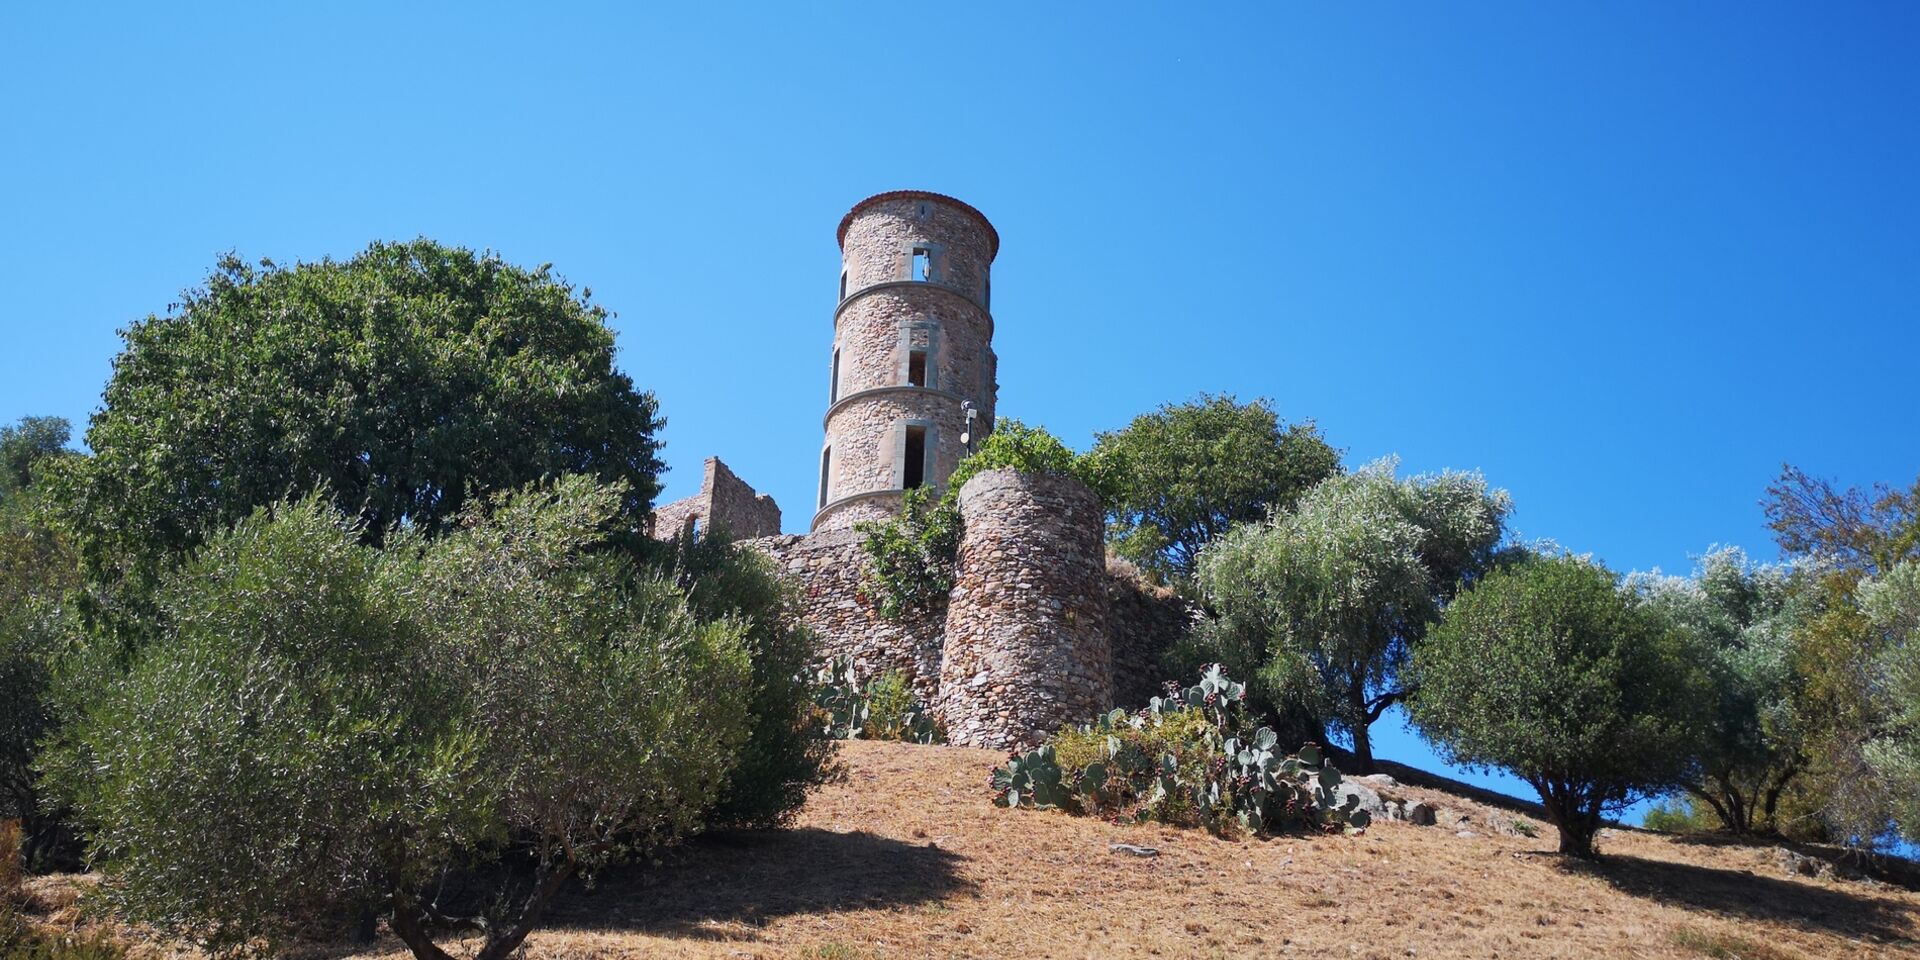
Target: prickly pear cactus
point(1031, 779)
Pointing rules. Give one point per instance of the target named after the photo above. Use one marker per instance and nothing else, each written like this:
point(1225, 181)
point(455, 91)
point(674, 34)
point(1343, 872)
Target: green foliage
point(910, 557)
point(1549, 669)
point(1892, 603)
point(1852, 536)
point(1681, 814)
point(880, 708)
point(784, 756)
point(1176, 479)
point(1751, 619)
point(1323, 603)
point(25, 445)
point(1190, 758)
point(325, 728)
point(402, 382)
point(39, 572)
point(1026, 449)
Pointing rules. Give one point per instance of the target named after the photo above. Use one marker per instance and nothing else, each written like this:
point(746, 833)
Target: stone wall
point(826, 567)
point(1143, 621)
point(724, 502)
point(1026, 648)
point(1051, 631)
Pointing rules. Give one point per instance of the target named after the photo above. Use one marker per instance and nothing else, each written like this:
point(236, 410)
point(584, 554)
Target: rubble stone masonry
point(1026, 647)
point(724, 502)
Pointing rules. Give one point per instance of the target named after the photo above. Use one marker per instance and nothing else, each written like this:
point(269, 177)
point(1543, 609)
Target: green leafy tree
point(24, 445)
point(1180, 477)
point(1892, 603)
point(1852, 535)
point(38, 573)
point(1324, 602)
point(1750, 618)
point(402, 382)
point(328, 729)
point(1549, 669)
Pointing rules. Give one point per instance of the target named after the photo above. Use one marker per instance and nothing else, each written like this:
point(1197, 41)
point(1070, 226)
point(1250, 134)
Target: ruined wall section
point(1026, 649)
point(825, 568)
point(1143, 622)
point(725, 502)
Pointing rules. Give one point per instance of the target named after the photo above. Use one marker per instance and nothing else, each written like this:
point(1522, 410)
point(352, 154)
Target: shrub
point(327, 729)
point(786, 754)
point(1552, 671)
point(881, 708)
point(1188, 759)
point(910, 558)
point(1681, 815)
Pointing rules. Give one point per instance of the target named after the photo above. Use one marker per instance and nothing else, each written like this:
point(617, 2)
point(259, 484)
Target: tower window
point(922, 264)
point(826, 470)
point(693, 527)
point(917, 368)
point(915, 458)
point(843, 284)
point(986, 292)
point(833, 388)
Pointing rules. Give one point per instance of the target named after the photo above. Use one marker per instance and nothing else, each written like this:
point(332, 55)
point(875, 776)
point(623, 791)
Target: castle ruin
point(1038, 631)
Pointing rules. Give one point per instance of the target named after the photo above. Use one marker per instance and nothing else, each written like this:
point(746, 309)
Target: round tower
point(912, 380)
point(1026, 648)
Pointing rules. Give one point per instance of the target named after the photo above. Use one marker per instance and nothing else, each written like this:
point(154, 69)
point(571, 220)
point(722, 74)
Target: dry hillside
point(907, 859)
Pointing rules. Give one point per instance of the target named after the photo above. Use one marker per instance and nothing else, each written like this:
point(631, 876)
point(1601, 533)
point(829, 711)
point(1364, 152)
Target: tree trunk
point(1362, 744)
point(508, 942)
point(1577, 825)
point(408, 926)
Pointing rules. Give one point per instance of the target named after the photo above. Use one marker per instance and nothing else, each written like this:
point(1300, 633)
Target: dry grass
point(908, 859)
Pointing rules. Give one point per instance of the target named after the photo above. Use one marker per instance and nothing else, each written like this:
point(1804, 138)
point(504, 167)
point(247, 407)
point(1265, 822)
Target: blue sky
point(1624, 258)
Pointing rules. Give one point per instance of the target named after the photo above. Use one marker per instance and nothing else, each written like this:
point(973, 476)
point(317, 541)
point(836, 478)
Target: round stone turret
point(912, 352)
point(1026, 649)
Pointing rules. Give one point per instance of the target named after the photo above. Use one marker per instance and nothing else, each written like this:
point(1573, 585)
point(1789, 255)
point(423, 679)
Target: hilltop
point(906, 858)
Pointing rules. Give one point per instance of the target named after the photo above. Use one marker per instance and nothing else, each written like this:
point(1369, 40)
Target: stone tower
point(912, 352)
point(1026, 648)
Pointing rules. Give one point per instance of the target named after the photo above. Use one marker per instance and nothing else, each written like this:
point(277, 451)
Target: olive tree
point(327, 729)
point(1549, 669)
point(1181, 476)
point(38, 574)
point(1322, 603)
point(1749, 619)
point(1892, 603)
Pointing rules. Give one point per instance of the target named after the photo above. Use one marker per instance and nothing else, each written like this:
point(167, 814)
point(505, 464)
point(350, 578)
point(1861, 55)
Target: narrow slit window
point(693, 528)
point(916, 456)
point(922, 263)
point(833, 388)
point(826, 470)
point(917, 368)
point(843, 284)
